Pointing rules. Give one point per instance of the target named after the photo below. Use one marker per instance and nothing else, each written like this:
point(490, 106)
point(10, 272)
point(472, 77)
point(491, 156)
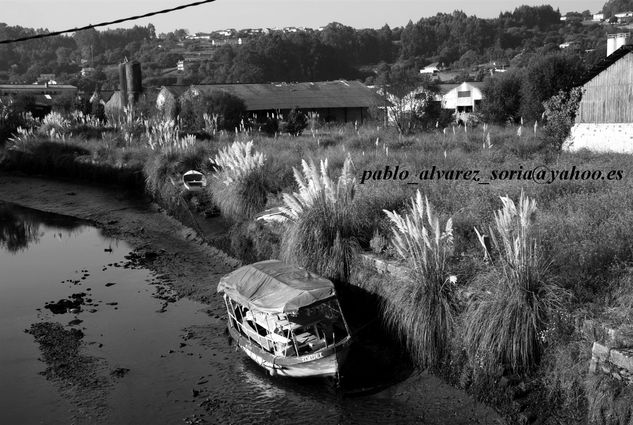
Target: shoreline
point(163, 240)
point(138, 221)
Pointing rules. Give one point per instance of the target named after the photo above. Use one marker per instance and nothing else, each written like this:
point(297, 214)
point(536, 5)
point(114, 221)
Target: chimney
point(615, 41)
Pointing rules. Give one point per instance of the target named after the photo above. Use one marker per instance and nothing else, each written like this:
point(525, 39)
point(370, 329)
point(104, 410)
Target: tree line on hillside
point(337, 51)
point(612, 7)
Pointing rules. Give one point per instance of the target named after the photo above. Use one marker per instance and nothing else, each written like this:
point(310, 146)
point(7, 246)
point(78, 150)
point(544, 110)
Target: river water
point(147, 358)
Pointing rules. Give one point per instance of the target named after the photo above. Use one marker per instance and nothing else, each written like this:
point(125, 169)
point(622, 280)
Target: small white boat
point(194, 181)
point(286, 319)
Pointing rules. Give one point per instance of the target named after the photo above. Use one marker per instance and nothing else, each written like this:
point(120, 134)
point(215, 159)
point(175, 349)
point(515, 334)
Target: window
point(463, 93)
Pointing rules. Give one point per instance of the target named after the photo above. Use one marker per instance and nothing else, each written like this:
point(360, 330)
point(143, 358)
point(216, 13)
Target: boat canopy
point(275, 287)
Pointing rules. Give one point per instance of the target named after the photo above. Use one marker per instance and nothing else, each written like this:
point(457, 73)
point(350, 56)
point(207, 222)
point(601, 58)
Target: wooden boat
point(286, 319)
point(194, 181)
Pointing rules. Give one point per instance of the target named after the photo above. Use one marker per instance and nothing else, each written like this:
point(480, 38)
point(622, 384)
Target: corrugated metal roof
point(317, 95)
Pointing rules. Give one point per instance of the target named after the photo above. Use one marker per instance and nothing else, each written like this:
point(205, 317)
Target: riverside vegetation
point(501, 319)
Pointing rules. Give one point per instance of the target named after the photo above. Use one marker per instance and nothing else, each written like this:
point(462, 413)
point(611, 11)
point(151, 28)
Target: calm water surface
point(173, 378)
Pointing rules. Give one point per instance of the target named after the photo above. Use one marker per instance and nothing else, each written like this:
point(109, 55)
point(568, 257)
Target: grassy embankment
point(513, 320)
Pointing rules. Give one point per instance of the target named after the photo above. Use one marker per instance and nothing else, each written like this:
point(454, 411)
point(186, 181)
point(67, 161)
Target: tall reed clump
point(171, 155)
point(239, 187)
point(422, 309)
point(320, 222)
point(507, 318)
point(54, 125)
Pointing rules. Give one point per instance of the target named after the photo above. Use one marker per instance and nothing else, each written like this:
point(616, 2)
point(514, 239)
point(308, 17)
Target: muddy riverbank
point(193, 268)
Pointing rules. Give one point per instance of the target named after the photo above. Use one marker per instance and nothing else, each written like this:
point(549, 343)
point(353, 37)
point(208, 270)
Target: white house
point(624, 16)
point(597, 17)
point(464, 97)
point(199, 36)
point(432, 69)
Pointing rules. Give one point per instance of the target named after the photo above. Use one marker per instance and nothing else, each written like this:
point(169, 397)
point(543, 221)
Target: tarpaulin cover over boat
point(275, 287)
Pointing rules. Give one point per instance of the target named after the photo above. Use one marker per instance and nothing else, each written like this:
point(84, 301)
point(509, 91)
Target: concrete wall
point(608, 137)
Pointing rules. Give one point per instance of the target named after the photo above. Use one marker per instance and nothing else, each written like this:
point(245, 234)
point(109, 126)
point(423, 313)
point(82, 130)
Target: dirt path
point(193, 268)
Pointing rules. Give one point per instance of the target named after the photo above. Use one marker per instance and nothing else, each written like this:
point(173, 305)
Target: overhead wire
point(103, 24)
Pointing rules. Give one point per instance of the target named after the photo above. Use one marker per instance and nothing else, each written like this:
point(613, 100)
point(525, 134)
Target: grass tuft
point(422, 311)
point(239, 187)
point(506, 320)
point(320, 222)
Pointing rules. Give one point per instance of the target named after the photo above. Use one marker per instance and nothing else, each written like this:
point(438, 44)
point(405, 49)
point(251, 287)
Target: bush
point(422, 311)
point(228, 108)
point(242, 198)
point(560, 111)
point(218, 109)
point(502, 97)
point(296, 122)
point(270, 126)
point(10, 121)
point(610, 402)
point(54, 125)
point(506, 319)
point(320, 221)
point(566, 366)
point(239, 187)
point(191, 110)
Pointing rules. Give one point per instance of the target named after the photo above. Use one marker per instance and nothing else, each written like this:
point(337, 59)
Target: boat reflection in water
point(286, 319)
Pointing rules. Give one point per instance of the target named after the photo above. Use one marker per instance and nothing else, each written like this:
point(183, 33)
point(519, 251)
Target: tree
point(296, 122)
point(560, 111)
point(63, 55)
point(409, 96)
point(545, 77)
point(502, 97)
point(612, 7)
point(89, 42)
point(191, 111)
point(228, 108)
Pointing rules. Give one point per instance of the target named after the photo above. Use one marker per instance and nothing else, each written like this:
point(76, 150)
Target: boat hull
point(192, 187)
point(323, 363)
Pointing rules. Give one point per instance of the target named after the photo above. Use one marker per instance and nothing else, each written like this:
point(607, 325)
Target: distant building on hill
point(567, 44)
point(431, 69)
point(334, 101)
point(87, 71)
point(604, 120)
point(199, 36)
point(624, 17)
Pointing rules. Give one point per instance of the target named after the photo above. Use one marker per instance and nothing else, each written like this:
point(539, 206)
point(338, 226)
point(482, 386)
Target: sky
point(222, 14)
